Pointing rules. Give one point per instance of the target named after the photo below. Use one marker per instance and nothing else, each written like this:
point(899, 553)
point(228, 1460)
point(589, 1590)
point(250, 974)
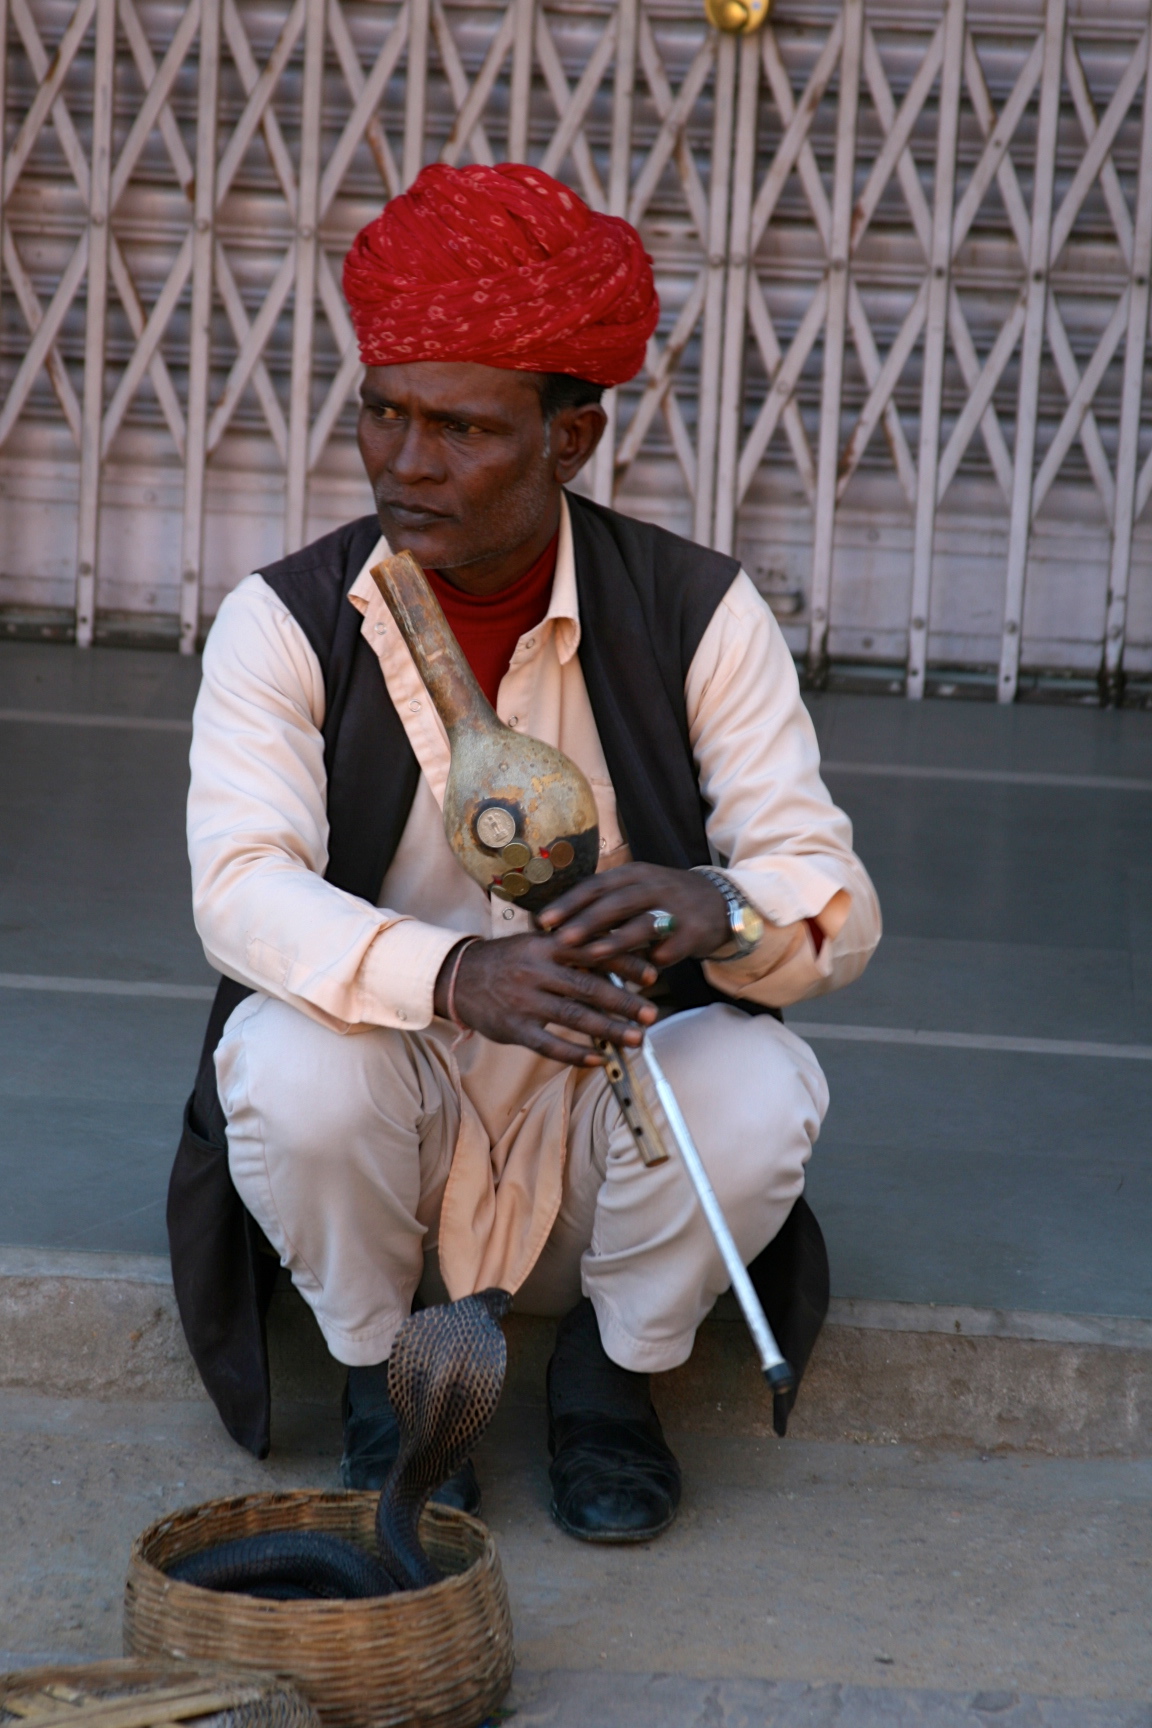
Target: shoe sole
point(612, 1539)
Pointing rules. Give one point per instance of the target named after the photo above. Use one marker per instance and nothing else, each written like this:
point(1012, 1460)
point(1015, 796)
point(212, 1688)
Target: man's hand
point(513, 989)
point(609, 916)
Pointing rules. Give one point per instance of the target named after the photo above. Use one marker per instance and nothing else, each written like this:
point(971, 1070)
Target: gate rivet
point(736, 17)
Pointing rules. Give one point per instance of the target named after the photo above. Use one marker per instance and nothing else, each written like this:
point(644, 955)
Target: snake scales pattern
point(445, 1376)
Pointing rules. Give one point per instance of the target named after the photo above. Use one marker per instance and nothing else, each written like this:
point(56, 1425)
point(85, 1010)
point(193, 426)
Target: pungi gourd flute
point(521, 819)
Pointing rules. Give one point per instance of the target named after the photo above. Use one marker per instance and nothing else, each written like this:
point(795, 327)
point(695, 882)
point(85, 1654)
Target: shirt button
point(531, 642)
point(508, 912)
point(400, 1014)
point(380, 629)
point(603, 844)
point(415, 707)
point(513, 720)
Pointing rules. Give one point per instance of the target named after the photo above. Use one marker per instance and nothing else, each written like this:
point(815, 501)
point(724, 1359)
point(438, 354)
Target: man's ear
point(574, 434)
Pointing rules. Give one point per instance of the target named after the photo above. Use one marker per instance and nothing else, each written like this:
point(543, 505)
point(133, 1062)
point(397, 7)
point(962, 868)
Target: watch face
point(748, 926)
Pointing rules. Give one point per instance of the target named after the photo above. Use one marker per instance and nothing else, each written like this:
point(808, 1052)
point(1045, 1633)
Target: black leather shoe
point(614, 1478)
point(612, 1481)
point(372, 1442)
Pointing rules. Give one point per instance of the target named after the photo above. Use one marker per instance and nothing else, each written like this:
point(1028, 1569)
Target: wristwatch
point(745, 924)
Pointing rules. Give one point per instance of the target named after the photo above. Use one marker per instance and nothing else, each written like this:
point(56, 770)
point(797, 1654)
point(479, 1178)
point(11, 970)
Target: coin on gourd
point(560, 854)
point(495, 827)
point(516, 855)
point(538, 870)
point(514, 884)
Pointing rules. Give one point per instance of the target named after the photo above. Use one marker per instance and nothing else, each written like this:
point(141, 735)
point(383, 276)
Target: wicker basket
point(434, 1658)
point(126, 1694)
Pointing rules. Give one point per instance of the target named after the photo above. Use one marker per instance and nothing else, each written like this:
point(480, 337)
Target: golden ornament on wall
point(736, 17)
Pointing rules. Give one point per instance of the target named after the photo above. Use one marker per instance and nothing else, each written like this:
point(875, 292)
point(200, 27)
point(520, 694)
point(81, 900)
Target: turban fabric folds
point(502, 266)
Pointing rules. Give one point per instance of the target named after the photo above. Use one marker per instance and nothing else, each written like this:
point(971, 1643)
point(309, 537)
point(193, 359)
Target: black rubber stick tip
point(781, 1378)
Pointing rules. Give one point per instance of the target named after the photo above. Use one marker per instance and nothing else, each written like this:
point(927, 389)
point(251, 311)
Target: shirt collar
point(563, 609)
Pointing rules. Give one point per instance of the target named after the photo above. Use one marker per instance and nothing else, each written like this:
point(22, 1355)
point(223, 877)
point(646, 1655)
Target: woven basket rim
point(404, 1601)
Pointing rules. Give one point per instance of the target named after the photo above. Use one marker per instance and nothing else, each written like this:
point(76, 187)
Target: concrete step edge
point(1128, 1332)
point(86, 1324)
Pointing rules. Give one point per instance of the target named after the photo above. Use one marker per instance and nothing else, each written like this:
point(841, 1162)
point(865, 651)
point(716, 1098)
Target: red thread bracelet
point(466, 1031)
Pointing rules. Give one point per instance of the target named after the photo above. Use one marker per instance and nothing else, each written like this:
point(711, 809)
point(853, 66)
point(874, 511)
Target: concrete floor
point(998, 1179)
point(982, 1177)
point(803, 1584)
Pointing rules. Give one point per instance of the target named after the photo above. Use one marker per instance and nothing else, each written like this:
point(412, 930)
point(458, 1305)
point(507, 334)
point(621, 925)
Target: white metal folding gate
point(929, 220)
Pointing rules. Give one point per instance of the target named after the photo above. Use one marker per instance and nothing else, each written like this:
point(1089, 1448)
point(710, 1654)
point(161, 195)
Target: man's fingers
point(596, 992)
point(578, 1017)
point(607, 913)
point(632, 967)
point(537, 1035)
point(626, 938)
point(525, 991)
point(557, 1049)
point(573, 900)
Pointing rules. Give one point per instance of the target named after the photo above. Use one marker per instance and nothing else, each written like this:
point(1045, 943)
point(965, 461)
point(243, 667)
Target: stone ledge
point(903, 1386)
point(106, 1326)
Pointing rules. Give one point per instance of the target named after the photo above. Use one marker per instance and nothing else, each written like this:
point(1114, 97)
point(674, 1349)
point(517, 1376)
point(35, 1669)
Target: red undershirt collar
point(488, 626)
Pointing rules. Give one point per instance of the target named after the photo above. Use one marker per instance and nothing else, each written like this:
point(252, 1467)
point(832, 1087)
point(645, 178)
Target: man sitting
point(378, 1149)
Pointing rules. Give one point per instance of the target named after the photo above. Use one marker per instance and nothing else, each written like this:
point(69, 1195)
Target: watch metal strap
point(735, 901)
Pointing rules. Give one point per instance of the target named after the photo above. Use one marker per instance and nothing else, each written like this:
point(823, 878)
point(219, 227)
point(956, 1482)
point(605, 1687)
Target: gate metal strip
point(856, 227)
point(488, 118)
point(1051, 81)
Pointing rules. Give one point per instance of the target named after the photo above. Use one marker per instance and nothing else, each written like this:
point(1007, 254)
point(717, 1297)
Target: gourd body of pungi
point(519, 814)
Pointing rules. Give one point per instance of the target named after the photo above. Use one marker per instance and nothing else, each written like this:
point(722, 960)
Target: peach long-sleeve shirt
point(258, 837)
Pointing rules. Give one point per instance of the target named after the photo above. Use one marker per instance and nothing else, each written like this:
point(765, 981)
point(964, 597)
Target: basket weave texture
point(441, 1657)
point(134, 1694)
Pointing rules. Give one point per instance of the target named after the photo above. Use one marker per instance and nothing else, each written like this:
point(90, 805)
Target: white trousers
point(340, 1147)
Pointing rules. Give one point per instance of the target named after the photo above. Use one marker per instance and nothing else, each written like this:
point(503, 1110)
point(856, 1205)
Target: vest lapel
point(639, 628)
point(372, 772)
point(646, 598)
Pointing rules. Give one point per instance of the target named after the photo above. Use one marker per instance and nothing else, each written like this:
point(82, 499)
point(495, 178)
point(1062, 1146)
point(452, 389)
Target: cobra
point(445, 1376)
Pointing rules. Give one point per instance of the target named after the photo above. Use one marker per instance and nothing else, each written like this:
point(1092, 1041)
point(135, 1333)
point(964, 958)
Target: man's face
point(465, 472)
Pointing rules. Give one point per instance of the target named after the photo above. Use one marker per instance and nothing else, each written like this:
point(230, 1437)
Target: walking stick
point(650, 1108)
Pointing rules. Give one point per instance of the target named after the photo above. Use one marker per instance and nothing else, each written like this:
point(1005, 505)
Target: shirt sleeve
point(772, 824)
point(258, 837)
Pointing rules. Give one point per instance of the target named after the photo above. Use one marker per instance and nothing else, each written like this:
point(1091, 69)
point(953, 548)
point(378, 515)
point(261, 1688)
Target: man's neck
point(489, 575)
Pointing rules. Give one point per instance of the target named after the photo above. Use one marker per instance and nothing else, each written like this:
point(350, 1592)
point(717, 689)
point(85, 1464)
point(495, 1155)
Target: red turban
point(504, 266)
